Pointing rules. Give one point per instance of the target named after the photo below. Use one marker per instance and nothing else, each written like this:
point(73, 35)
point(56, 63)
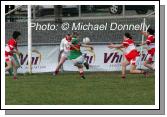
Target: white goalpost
point(29, 41)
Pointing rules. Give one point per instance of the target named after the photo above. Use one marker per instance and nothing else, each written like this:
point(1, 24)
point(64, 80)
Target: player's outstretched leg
point(148, 65)
point(14, 70)
point(81, 72)
point(133, 70)
point(9, 65)
point(124, 64)
point(86, 65)
point(62, 60)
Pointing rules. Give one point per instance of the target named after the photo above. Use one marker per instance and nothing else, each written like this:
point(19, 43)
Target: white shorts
point(8, 58)
point(65, 54)
point(79, 60)
point(136, 61)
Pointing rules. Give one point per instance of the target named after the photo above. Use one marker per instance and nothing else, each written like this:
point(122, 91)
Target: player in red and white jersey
point(64, 51)
point(150, 42)
point(130, 53)
point(10, 49)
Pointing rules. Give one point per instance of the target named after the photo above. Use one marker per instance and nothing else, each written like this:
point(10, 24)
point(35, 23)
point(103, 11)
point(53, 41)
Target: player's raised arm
point(115, 46)
point(74, 47)
point(141, 44)
point(87, 46)
point(143, 33)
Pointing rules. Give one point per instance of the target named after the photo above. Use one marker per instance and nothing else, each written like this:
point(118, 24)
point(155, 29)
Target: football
point(86, 40)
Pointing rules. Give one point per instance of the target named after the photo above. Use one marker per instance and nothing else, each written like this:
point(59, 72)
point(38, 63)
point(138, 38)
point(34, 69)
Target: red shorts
point(132, 56)
point(151, 51)
point(150, 55)
point(8, 56)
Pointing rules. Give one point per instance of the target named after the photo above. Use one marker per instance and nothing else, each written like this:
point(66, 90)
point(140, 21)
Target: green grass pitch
point(99, 88)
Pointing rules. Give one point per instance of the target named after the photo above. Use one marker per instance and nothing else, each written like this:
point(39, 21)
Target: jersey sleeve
point(74, 41)
point(150, 39)
point(12, 44)
point(125, 43)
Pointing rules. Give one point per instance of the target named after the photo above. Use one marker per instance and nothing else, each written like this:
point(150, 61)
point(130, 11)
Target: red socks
point(81, 74)
point(56, 72)
point(14, 78)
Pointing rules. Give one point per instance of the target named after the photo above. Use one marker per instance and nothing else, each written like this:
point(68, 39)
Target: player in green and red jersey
point(76, 55)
